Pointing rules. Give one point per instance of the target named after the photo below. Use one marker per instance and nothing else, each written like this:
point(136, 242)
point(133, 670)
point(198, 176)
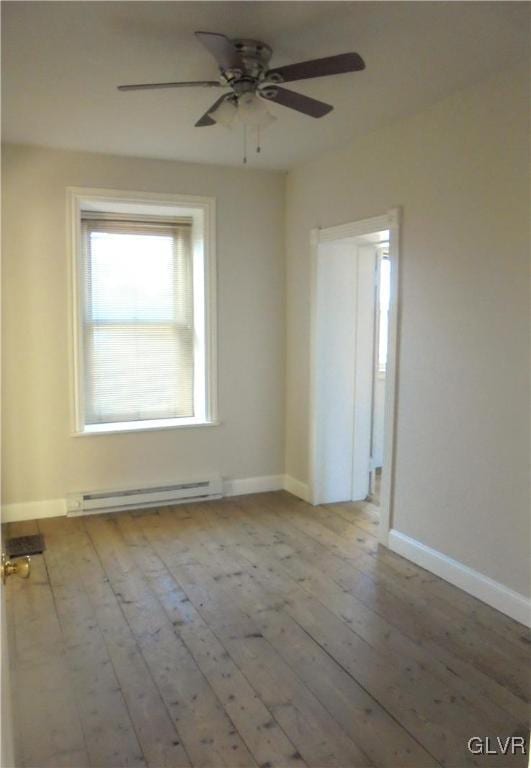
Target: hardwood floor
point(256, 631)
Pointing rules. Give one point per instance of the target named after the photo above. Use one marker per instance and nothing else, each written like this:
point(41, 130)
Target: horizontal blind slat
point(126, 227)
point(97, 219)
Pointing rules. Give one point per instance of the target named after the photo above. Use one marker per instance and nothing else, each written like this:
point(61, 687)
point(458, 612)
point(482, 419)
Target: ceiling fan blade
point(222, 49)
point(330, 65)
point(297, 101)
point(206, 119)
point(190, 84)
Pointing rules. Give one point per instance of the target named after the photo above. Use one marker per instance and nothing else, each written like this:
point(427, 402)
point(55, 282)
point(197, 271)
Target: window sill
point(119, 428)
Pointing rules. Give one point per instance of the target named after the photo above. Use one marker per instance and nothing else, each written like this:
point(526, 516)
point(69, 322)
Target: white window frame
point(202, 211)
point(380, 372)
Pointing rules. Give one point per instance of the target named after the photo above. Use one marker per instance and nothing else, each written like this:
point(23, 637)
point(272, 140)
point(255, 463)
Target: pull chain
point(258, 147)
point(244, 144)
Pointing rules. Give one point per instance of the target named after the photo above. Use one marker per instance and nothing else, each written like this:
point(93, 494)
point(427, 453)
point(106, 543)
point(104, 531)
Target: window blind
point(138, 321)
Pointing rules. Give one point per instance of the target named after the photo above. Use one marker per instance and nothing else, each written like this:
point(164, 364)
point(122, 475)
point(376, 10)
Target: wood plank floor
point(257, 631)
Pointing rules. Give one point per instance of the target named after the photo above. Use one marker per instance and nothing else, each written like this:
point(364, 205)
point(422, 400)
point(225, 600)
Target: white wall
point(40, 459)
point(460, 172)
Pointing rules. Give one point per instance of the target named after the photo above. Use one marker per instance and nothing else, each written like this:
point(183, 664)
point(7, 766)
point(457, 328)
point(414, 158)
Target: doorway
point(354, 318)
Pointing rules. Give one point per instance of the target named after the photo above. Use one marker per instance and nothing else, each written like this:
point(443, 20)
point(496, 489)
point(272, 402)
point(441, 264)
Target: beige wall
point(41, 460)
point(460, 172)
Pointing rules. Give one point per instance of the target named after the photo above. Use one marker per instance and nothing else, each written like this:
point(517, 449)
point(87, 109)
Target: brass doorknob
point(20, 567)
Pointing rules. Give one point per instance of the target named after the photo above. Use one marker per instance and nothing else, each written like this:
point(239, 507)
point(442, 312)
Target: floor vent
point(25, 545)
point(91, 502)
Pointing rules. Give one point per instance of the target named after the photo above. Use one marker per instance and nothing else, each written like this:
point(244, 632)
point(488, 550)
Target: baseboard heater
point(92, 502)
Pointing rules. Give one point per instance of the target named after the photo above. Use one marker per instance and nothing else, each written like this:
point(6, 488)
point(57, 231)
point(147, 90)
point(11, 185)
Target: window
point(383, 310)
point(144, 290)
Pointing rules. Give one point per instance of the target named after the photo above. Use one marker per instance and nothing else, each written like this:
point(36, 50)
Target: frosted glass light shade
point(253, 112)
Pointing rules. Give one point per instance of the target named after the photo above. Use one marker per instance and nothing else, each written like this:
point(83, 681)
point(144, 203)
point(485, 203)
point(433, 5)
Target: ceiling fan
point(244, 68)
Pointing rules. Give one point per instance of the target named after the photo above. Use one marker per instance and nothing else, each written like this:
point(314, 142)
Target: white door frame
point(390, 221)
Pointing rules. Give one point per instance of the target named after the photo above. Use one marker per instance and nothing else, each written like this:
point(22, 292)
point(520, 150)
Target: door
point(343, 369)
point(7, 748)
point(334, 370)
point(20, 567)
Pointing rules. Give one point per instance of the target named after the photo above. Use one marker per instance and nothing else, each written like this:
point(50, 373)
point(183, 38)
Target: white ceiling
point(61, 62)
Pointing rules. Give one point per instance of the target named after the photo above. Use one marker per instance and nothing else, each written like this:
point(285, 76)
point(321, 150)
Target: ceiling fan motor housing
point(255, 57)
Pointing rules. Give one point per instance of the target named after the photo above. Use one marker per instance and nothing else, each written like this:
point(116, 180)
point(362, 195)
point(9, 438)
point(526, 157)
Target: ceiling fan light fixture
point(253, 113)
point(225, 114)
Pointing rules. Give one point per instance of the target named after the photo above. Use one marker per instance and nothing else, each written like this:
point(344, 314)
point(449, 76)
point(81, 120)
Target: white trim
point(391, 379)
point(245, 485)
point(33, 510)
point(154, 425)
point(357, 228)
point(211, 312)
point(313, 496)
point(202, 211)
point(498, 596)
point(296, 487)
point(390, 221)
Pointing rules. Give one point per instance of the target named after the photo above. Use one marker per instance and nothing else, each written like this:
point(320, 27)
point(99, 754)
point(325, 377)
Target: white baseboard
point(265, 484)
point(33, 510)
point(294, 486)
point(504, 599)
point(246, 485)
